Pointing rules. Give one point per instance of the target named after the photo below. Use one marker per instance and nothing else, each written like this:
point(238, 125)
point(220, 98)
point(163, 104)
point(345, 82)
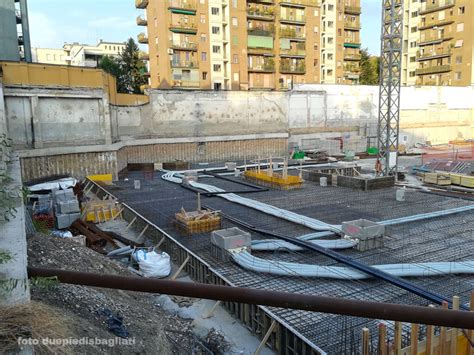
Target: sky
point(53, 22)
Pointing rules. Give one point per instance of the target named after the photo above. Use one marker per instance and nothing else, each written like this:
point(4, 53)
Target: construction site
point(326, 219)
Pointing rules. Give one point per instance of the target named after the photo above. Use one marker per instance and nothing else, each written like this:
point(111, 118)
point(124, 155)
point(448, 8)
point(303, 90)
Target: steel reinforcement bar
point(258, 319)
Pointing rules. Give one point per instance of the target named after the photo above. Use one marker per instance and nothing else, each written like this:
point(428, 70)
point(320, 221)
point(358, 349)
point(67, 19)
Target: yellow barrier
point(34, 74)
point(105, 178)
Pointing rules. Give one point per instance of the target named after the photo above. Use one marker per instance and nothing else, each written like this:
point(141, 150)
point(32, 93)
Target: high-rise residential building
point(14, 31)
point(250, 44)
point(438, 42)
point(76, 54)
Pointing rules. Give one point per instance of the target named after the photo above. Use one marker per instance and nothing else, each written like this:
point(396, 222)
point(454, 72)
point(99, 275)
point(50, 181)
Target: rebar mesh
point(441, 239)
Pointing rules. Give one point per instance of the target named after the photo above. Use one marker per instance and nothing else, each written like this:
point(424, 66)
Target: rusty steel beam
point(332, 305)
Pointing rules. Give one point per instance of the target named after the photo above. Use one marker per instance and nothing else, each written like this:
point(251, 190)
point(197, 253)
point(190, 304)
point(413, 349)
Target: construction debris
point(96, 239)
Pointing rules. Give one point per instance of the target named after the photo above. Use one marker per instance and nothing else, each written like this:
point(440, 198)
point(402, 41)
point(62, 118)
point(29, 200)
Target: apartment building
point(250, 44)
point(14, 31)
point(438, 42)
point(77, 54)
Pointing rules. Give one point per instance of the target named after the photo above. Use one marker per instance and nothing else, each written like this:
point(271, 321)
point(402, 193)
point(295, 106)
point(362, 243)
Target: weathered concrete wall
point(204, 113)
point(115, 157)
point(13, 242)
point(435, 114)
point(37, 118)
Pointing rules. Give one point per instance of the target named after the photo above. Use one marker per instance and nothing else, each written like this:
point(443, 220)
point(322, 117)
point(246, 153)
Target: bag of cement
point(152, 264)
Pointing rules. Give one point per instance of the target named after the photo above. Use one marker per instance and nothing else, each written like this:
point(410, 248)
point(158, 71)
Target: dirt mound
point(142, 318)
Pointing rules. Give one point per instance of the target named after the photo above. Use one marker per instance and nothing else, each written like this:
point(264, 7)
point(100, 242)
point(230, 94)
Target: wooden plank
point(143, 231)
point(471, 332)
point(131, 222)
point(442, 349)
point(414, 339)
point(365, 341)
point(429, 338)
point(176, 274)
point(397, 338)
point(382, 346)
point(454, 332)
point(266, 337)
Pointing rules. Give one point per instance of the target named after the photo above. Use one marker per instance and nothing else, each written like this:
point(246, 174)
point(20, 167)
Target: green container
point(298, 155)
point(372, 151)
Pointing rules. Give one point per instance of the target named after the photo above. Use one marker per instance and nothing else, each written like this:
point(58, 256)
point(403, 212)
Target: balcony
point(256, 13)
point(296, 19)
point(191, 84)
point(186, 7)
point(183, 46)
point(267, 67)
point(296, 51)
point(287, 68)
point(434, 70)
point(184, 64)
point(291, 33)
point(352, 57)
point(438, 23)
point(265, 32)
point(300, 3)
point(260, 51)
point(434, 40)
point(439, 53)
point(428, 8)
point(141, 4)
point(142, 38)
point(351, 43)
point(352, 25)
point(141, 21)
point(183, 27)
point(143, 55)
point(267, 2)
point(352, 10)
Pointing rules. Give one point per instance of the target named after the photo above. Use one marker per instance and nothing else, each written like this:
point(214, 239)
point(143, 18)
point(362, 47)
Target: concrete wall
point(8, 31)
point(13, 241)
point(204, 113)
point(40, 118)
point(182, 125)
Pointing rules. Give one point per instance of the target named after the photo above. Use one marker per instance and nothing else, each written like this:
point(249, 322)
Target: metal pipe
point(332, 305)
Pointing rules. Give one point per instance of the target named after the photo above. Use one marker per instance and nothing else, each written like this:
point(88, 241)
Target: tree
point(128, 69)
point(132, 68)
point(369, 68)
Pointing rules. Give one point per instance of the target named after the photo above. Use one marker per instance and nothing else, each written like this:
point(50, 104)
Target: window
point(203, 18)
point(217, 67)
point(315, 29)
point(236, 76)
point(204, 75)
point(234, 21)
point(414, 29)
point(413, 44)
point(330, 56)
point(460, 27)
point(216, 49)
point(215, 10)
point(330, 72)
point(316, 13)
point(457, 75)
point(412, 59)
point(461, 10)
point(235, 59)
point(339, 32)
point(414, 14)
point(216, 30)
point(234, 3)
point(156, 22)
point(315, 63)
point(203, 37)
point(330, 7)
point(235, 40)
point(412, 74)
point(459, 59)
point(203, 56)
point(202, 1)
point(330, 24)
point(459, 43)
